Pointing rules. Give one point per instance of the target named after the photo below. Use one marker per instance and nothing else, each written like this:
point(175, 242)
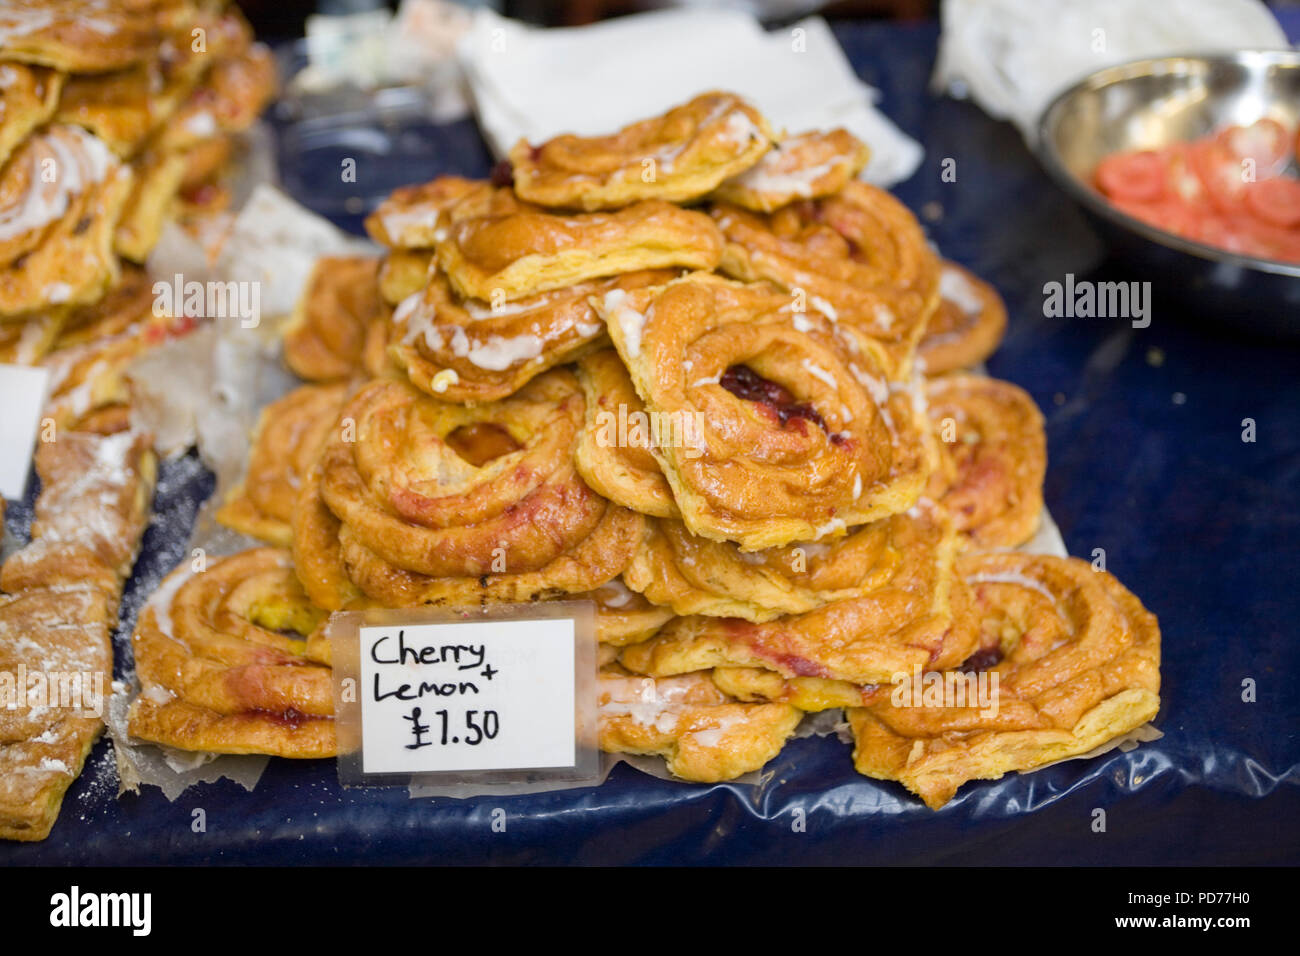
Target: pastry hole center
point(480, 442)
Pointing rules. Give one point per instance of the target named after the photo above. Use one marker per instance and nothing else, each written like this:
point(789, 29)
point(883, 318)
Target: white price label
point(22, 396)
point(469, 695)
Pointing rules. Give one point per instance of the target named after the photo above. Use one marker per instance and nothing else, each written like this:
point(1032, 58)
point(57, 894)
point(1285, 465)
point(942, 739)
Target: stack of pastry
point(114, 119)
point(700, 374)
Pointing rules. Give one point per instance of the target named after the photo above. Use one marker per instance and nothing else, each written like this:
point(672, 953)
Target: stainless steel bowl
point(1150, 103)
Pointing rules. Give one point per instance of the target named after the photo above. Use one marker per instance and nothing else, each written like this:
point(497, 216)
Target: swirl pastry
point(992, 459)
point(791, 437)
point(285, 445)
point(677, 157)
point(966, 327)
point(623, 616)
point(509, 257)
point(1077, 659)
point(614, 451)
point(694, 575)
point(701, 733)
point(60, 196)
point(417, 501)
point(404, 273)
point(230, 99)
point(467, 351)
point(331, 325)
point(218, 671)
point(85, 36)
point(859, 256)
point(28, 98)
point(417, 217)
point(809, 694)
point(96, 494)
point(808, 166)
point(911, 620)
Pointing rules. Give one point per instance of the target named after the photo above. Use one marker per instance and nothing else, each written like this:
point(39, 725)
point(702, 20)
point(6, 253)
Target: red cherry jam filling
point(743, 382)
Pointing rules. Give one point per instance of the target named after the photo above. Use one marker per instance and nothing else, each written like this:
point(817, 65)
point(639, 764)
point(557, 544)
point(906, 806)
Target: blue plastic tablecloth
point(1146, 461)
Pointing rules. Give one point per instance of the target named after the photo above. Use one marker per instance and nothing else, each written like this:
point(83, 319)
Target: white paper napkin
point(1013, 56)
point(535, 84)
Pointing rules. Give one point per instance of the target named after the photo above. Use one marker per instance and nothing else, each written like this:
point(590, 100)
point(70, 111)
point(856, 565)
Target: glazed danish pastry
point(417, 217)
point(677, 157)
point(1077, 658)
point(84, 36)
point(404, 273)
point(701, 733)
point(218, 672)
point(28, 98)
point(623, 616)
point(787, 434)
point(149, 205)
point(509, 257)
point(614, 451)
point(808, 166)
point(966, 327)
point(694, 575)
point(428, 502)
point(992, 459)
point(859, 256)
point(285, 445)
point(912, 619)
point(56, 232)
point(467, 351)
point(326, 337)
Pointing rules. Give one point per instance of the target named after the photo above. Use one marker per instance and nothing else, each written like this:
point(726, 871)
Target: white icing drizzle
point(78, 161)
point(631, 323)
point(819, 373)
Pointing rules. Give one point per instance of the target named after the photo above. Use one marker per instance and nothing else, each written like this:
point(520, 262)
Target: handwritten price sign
point(471, 695)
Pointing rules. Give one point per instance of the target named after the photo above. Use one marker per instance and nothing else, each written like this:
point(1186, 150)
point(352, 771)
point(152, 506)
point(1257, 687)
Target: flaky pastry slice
point(678, 157)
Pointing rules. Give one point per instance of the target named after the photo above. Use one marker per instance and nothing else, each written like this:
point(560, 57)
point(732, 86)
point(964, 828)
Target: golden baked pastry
point(701, 733)
point(89, 388)
point(507, 257)
point(285, 444)
point(623, 616)
point(614, 451)
point(95, 500)
point(859, 256)
point(63, 634)
point(992, 459)
point(808, 166)
point(420, 501)
point(788, 434)
point(1077, 658)
point(125, 305)
point(60, 196)
point(678, 157)
point(326, 337)
point(404, 272)
point(966, 327)
point(463, 350)
point(217, 669)
point(911, 619)
point(229, 100)
point(85, 36)
point(695, 575)
point(149, 205)
point(417, 217)
point(28, 98)
point(28, 340)
point(809, 694)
